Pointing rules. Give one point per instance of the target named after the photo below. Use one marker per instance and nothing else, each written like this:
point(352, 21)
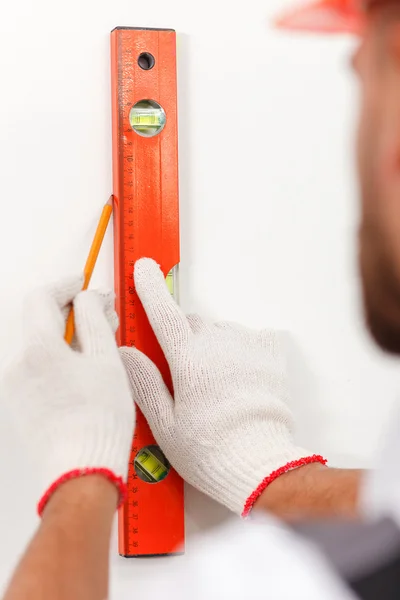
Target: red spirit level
point(146, 224)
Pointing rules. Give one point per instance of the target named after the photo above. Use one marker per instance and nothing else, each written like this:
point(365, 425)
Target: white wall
point(268, 203)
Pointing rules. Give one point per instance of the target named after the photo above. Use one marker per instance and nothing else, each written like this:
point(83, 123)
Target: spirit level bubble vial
point(146, 224)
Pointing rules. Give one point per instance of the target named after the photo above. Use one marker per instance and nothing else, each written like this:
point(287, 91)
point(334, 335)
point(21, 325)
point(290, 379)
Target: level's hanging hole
point(146, 61)
point(151, 465)
point(147, 118)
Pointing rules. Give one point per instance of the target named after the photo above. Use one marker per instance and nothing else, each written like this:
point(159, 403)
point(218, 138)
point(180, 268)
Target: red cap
point(325, 16)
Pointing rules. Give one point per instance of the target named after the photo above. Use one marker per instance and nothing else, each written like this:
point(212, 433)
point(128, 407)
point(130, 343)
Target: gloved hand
point(73, 408)
point(228, 431)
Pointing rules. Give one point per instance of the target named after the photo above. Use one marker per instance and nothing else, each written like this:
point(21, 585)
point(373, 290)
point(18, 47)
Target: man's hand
point(313, 492)
point(228, 429)
point(68, 557)
point(73, 408)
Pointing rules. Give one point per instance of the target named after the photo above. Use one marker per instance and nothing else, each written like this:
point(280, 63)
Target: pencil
point(90, 263)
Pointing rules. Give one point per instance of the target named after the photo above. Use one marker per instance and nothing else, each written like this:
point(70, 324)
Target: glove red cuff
point(117, 481)
point(275, 474)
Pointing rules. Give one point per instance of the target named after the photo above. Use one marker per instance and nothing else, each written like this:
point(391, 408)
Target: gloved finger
point(197, 324)
point(65, 291)
point(108, 298)
point(270, 341)
point(109, 310)
point(166, 318)
point(237, 332)
point(93, 332)
point(113, 320)
point(266, 339)
point(149, 391)
point(263, 338)
point(43, 309)
point(234, 328)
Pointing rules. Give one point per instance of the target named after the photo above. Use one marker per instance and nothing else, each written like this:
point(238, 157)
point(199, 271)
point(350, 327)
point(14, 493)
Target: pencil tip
point(110, 200)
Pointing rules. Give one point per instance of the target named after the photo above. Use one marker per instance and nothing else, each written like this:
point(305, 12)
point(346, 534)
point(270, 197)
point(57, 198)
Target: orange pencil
point(91, 261)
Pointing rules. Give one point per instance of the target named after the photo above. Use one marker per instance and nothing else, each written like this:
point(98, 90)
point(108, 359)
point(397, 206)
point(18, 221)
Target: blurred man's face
point(377, 63)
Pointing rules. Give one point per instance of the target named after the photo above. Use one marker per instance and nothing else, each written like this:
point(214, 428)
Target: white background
point(268, 205)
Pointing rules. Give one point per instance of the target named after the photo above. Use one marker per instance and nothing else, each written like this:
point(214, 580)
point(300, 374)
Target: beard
point(380, 286)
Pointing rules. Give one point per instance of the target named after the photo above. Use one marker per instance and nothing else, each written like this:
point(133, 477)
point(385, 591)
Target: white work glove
point(228, 430)
point(73, 408)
